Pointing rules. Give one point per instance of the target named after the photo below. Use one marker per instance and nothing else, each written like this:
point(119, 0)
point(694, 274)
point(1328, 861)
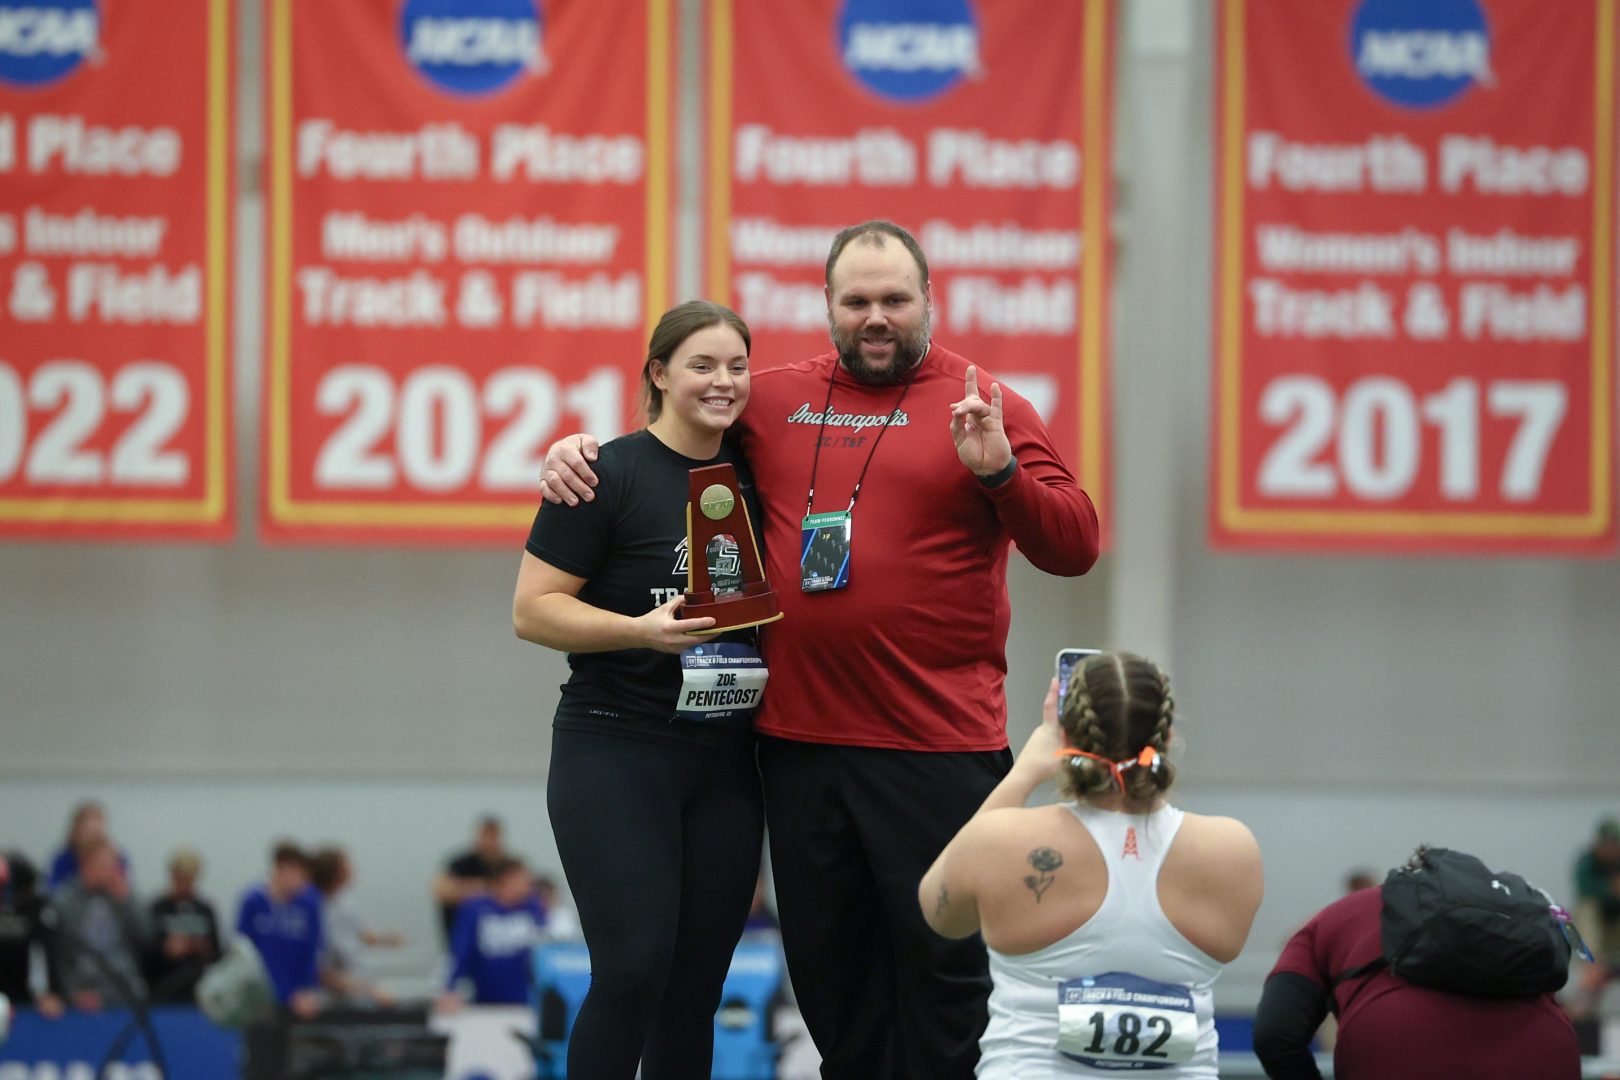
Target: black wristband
point(996, 479)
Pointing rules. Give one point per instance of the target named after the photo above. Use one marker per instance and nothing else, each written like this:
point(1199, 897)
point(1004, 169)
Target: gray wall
point(1345, 708)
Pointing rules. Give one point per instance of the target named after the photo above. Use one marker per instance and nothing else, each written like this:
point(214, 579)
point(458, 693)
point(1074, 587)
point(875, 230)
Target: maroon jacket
point(1390, 1029)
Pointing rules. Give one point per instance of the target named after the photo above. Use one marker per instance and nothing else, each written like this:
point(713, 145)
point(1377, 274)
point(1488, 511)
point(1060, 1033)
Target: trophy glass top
point(724, 560)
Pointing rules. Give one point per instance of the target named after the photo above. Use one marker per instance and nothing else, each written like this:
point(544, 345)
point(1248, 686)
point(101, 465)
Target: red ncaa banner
point(116, 137)
point(1415, 243)
point(467, 224)
point(983, 127)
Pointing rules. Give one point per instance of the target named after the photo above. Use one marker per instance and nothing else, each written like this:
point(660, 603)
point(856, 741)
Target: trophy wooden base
point(756, 606)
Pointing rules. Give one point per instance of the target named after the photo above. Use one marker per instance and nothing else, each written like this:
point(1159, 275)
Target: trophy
point(725, 579)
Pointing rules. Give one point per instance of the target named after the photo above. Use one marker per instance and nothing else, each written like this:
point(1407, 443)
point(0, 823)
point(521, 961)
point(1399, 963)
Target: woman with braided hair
point(1109, 915)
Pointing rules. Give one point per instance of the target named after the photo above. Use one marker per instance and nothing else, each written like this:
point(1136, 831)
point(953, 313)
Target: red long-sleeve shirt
point(912, 654)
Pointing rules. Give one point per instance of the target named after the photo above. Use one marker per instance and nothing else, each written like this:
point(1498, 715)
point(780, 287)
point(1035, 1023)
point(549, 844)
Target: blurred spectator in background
point(24, 912)
point(562, 924)
point(1597, 914)
point(100, 936)
point(86, 825)
point(282, 918)
point(493, 938)
point(342, 962)
point(1360, 878)
point(761, 919)
point(185, 933)
point(468, 875)
point(1597, 891)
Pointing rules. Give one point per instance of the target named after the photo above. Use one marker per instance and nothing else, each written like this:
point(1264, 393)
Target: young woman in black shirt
point(657, 815)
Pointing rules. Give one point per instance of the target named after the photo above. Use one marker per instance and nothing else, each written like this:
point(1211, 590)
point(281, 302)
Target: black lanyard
point(815, 462)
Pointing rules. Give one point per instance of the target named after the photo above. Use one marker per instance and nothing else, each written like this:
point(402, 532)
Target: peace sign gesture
point(976, 429)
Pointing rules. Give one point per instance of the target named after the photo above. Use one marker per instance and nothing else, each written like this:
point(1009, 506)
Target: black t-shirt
point(629, 544)
point(468, 866)
point(22, 925)
point(190, 918)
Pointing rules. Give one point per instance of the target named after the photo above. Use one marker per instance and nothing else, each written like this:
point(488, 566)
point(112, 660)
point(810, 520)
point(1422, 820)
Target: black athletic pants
point(661, 846)
point(852, 831)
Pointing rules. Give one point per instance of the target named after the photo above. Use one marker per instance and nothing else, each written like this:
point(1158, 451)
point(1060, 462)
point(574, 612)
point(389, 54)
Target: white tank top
point(1135, 993)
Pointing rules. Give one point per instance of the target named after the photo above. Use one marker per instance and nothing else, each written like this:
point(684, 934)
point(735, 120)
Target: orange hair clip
point(1148, 759)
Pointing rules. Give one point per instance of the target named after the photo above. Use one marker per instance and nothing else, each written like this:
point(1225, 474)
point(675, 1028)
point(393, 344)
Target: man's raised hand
point(976, 428)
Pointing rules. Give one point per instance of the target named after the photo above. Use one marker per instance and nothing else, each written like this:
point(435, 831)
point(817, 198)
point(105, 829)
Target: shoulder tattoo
point(1045, 860)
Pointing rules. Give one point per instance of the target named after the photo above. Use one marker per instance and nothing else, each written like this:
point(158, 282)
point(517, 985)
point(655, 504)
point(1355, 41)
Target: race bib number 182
point(1125, 1022)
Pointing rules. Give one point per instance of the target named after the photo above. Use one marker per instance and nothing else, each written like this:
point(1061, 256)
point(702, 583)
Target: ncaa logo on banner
point(42, 41)
point(909, 50)
point(472, 47)
point(1420, 54)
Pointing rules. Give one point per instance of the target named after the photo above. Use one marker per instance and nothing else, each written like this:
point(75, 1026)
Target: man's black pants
point(852, 831)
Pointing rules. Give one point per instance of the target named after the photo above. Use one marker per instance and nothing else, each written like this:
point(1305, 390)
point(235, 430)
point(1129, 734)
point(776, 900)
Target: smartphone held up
point(1067, 661)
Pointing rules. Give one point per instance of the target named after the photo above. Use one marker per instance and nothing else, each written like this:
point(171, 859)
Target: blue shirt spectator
point(494, 937)
point(86, 826)
point(283, 920)
point(65, 867)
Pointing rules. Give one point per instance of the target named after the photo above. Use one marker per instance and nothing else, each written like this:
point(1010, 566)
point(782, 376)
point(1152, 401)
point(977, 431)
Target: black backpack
point(1451, 923)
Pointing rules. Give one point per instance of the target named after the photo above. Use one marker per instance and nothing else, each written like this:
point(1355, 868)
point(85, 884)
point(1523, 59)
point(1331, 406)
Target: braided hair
point(1117, 705)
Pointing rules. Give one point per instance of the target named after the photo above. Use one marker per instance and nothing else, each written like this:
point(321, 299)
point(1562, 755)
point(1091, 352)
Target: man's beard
point(909, 350)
